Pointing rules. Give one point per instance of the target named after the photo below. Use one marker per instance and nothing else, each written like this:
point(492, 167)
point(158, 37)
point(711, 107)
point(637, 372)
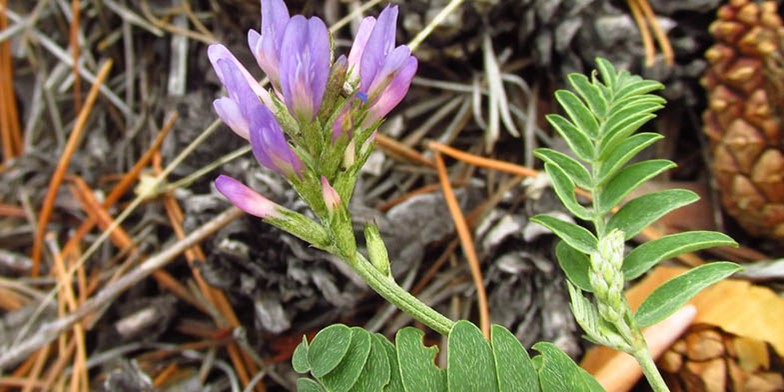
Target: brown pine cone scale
point(744, 81)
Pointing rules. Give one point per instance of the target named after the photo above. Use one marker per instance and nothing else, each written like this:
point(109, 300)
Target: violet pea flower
point(305, 58)
point(266, 43)
point(244, 110)
point(385, 71)
point(295, 53)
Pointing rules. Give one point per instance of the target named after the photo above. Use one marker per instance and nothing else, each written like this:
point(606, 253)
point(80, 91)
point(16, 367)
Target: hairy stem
point(644, 358)
point(386, 287)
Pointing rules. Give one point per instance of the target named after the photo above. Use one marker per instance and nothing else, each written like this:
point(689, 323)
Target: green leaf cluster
point(340, 358)
point(602, 116)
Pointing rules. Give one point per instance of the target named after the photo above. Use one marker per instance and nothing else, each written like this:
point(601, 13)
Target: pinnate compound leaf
point(299, 359)
point(575, 264)
point(557, 372)
point(470, 365)
point(645, 256)
point(395, 383)
point(590, 94)
point(675, 292)
point(578, 112)
point(612, 161)
point(629, 179)
point(576, 171)
point(328, 348)
point(345, 375)
point(376, 373)
point(308, 385)
point(577, 140)
point(564, 188)
point(514, 369)
point(646, 209)
point(417, 369)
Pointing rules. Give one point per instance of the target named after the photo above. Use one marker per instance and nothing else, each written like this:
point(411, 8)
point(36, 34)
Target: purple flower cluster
point(296, 55)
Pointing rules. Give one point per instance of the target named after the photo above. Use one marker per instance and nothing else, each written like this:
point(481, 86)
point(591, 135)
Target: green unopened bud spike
point(376, 249)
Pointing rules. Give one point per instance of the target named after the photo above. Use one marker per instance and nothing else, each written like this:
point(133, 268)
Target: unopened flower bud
point(331, 197)
point(246, 199)
point(377, 251)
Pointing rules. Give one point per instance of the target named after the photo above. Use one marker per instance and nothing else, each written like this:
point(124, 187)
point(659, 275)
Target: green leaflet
point(628, 180)
point(514, 369)
point(591, 94)
point(564, 187)
point(376, 373)
point(395, 381)
point(576, 236)
point(578, 113)
point(647, 255)
point(625, 151)
point(308, 385)
point(346, 374)
point(328, 348)
point(644, 210)
point(569, 165)
point(675, 292)
point(607, 71)
point(577, 140)
point(575, 264)
point(417, 367)
point(557, 372)
point(471, 366)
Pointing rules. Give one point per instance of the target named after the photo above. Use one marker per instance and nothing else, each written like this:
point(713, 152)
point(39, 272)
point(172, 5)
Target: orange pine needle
point(75, 49)
point(489, 163)
point(467, 243)
point(12, 211)
point(647, 41)
point(165, 375)
point(661, 37)
point(79, 378)
point(40, 358)
point(394, 147)
point(62, 166)
point(9, 116)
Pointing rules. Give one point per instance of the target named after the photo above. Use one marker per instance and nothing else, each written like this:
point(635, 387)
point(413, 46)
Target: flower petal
point(401, 75)
point(217, 52)
point(379, 45)
point(304, 66)
point(230, 113)
point(245, 198)
point(274, 16)
point(358, 47)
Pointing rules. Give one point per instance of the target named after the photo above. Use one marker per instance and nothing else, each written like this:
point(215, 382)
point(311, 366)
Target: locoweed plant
point(316, 125)
point(599, 127)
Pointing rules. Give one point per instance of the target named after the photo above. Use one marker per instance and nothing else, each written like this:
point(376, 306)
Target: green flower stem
point(386, 287)
point(644, 358)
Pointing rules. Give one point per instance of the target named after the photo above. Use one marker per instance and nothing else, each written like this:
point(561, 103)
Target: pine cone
point(707, 359)
point(742, 122)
